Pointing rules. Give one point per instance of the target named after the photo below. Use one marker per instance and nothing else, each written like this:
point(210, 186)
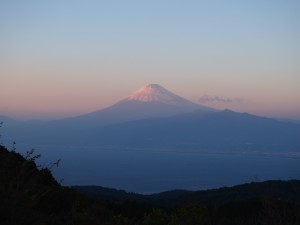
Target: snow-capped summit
point(156, 93)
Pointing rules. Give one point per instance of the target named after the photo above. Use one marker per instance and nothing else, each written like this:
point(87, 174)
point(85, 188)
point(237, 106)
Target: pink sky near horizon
point(58, 98)
point(66, 58)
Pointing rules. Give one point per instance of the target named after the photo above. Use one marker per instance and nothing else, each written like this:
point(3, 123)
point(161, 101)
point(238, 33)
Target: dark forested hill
point(29, 195)
point(284, 190)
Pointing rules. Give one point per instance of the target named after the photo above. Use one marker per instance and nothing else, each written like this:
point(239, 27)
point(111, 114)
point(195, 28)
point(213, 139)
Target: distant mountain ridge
point(272, 189)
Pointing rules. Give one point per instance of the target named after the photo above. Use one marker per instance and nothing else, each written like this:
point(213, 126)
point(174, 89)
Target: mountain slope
point(221, 131)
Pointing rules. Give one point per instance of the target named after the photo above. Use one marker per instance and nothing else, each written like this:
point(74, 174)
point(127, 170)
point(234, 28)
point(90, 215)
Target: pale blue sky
point(61, 58)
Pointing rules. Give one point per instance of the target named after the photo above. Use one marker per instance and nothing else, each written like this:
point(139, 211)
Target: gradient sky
point(61, 58)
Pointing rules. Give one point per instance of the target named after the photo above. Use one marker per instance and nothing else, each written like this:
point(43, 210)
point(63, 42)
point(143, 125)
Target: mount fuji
point(149, 101)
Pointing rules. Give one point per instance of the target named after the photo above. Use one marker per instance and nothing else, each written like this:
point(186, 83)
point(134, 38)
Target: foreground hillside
point(30, 195)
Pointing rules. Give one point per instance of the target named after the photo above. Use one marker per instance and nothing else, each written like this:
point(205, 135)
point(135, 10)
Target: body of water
point(155, 171)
